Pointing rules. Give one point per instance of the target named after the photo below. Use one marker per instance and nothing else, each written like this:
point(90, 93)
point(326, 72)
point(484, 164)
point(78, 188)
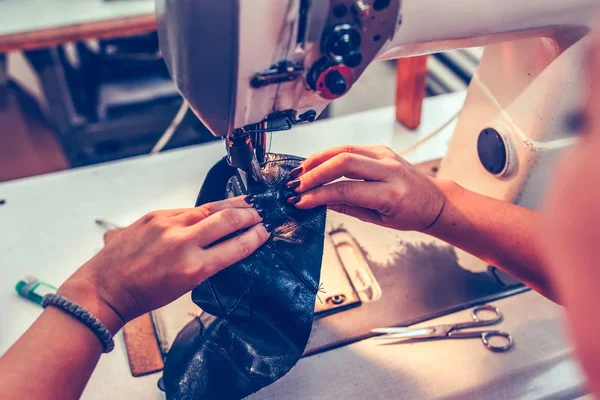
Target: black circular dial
point(492, 151)
point(353, 59)
point(341, 46)
point(341, 41)
point(336, 83)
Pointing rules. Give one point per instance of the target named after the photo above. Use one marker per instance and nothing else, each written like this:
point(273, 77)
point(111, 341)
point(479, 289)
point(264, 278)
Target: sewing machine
point(257, 66)
point(251, 67)
point(523, 80)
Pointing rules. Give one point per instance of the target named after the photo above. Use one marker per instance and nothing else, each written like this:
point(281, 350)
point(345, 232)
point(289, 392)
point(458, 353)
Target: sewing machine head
point(251, 67)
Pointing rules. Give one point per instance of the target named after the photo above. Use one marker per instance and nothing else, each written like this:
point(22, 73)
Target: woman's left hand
point(385, 189)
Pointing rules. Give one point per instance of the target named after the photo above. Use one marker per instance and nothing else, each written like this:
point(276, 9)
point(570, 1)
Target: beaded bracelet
point(83, 316)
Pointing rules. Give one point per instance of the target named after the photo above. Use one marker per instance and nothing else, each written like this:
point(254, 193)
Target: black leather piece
point(263, 306)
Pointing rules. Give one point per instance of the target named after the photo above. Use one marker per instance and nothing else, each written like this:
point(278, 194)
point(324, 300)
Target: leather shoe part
point(261, 308)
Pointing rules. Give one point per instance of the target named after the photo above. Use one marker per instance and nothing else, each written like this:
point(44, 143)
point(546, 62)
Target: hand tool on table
point(455, 331)
point(33, 289)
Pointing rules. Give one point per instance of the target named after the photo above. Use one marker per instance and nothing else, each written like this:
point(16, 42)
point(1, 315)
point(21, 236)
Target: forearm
point(501, 233)
point(56, 356)
point(53, 359)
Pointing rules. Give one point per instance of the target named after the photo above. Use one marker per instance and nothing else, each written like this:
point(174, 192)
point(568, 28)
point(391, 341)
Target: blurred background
point(83, 82)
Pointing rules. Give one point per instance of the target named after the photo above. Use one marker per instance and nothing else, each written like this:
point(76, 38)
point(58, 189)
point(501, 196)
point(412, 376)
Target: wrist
point(84, 293)
point(448, 190)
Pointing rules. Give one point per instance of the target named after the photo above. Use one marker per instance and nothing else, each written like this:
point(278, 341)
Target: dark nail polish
point(260, 212)
point(269, 228)
point(294, 199)
point(250, 199)
point(293, 184)
point(576, 122)
point(296, 172)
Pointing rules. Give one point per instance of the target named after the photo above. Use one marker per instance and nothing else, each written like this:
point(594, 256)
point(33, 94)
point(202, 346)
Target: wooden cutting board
point(143, 352)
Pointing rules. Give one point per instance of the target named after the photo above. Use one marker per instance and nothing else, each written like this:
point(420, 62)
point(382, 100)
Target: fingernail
point(260, 212)
point(269, 228)
point(576, 121)
point(296, 172)
point(294, 199)
point(250, 199)
point(293, 184)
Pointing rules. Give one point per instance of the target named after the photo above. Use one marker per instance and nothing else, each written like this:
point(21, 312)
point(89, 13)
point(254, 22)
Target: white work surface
point(48, 230)
point(22, 16)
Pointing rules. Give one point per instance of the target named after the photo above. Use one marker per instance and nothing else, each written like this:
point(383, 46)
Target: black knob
point(491, 149)
point(341, 41)
point(336, 83)
point(341, 46)
point(353, 59)
point(308, 116)
point(380, 5)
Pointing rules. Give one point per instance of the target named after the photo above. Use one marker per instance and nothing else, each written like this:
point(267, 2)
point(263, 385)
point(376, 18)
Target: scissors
point(453, 331)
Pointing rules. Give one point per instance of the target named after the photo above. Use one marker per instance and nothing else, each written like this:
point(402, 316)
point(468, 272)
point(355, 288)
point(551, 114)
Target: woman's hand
point(162, 256)
point(385, 189)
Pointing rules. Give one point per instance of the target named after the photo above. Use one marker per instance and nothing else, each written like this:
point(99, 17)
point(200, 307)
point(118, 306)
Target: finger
point(223, 223)
point(347, 165)
point(196, 214)
point(147, 218)
point(376, 152)
point(371, 195)
point(110, 235)
point(231, 251)
point(364, 214)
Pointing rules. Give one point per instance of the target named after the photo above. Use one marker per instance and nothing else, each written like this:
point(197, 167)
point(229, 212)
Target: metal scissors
point(453, 331)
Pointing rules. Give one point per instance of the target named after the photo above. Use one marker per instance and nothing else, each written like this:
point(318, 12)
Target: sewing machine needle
point(256, 171)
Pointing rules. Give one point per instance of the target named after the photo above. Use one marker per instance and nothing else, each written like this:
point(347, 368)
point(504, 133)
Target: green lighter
point(34, 289)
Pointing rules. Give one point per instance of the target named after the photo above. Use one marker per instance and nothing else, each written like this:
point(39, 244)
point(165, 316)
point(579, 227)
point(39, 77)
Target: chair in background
point(112, 99)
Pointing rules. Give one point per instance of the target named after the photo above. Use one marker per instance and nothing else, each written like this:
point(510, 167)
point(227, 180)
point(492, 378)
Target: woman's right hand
point(162, 256)
point(384, 188)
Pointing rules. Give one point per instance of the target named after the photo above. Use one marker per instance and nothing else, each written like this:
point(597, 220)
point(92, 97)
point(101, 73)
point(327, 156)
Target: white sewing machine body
point(529, 78)
point(522, 77)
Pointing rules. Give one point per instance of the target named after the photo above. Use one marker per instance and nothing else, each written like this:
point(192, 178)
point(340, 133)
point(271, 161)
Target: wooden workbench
point(49, 231)
point(34, 24)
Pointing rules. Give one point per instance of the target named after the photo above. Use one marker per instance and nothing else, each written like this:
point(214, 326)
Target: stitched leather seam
point(232, 362)
point(214, 295)
point(243, 294)
point(309, 228)
point(307, 284)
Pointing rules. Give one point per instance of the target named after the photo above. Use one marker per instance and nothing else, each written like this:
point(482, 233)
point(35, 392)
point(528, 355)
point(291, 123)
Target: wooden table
point(35, 24)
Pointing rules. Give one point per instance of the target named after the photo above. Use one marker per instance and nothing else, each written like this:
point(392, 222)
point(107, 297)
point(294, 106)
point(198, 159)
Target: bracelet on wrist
point(84, 316)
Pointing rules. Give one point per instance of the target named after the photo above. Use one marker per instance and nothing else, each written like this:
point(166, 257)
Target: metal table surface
point(48, 231)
